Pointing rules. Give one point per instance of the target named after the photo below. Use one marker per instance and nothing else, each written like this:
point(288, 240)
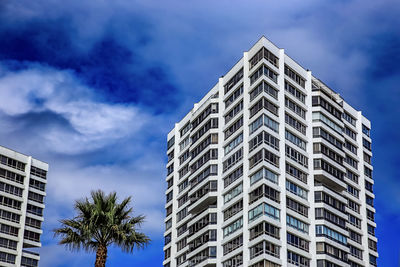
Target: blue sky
point(93, 87)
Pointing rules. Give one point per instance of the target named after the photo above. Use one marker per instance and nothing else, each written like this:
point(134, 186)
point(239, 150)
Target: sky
point(93, 87)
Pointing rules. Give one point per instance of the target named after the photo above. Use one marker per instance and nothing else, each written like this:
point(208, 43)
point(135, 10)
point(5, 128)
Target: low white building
point(271, 168)
point(22, 192)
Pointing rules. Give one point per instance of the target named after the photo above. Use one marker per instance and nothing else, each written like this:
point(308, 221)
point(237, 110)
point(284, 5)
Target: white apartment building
point(22, 193)
point(271, 168)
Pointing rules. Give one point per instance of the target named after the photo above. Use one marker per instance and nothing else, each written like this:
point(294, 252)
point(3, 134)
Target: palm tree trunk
point(101, 256)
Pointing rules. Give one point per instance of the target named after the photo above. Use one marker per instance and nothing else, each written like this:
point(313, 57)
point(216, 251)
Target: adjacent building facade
point(271, 168)
point(22, 193)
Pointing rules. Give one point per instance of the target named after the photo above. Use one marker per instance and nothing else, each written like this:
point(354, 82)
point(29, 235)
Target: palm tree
point(100, 223)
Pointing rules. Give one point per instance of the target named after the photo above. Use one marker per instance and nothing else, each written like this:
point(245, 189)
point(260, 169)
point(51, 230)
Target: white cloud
point(95, 123)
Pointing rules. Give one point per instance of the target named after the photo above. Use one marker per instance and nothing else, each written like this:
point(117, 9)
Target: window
point(233, 128)
point(319, 132)
point(295, 108)
point(233, 193)
point(352, 148)
point(321, 213)
point(212, 108)
point(264, 173)
point(233, 112)
point(167, 239)
point(185, 129)
point(356, 252)
point(171, 142)
point(6, 243)
point(295, 76)
point(233, 81)
point(349, 118)
point(328, 199)
point(35, 197)
point(322, 230)
point(366, 144)
point(297, 224)
point(297, 190)
point(33, 223)
point(319, 101)
point(354, 206)
point(266, 54)
point(11, 176)
point(9, 216)
point(19, 165)
point(9, 230)
point(233, 227)
point(263, 103)
point(208, 171)
point(171, 155)
point(235, 95)
point(170, 169)
point(37, 172)
point(264, 228)
point(184, 157)
point(320, 164)
point(232, 160)
point(350, 133)
point(295, 172)
point(266, 155)
point(11, 189)
point(355, 192)
point(184, 144)
point(368, 172)
point(367, 158)
point(211, 139)
point(9, 258)
point(295, 140)
point(355, 236)
point(233, 144)
point(263, 87)
point(264, 247)
point(369, 200)
point(325, 248)
point(263, 70)
point(318, 116)
point(355, 221)
point(298, 242)
point(295, 124)
point(232, 210)
point(208, 219)
point(211, 124)
point(234, 261)
point(264, 137)
point(297, 259)
point(366, 130)
point(12, 203)
point(296, 156)
point(264, 209)
point(295, 92)
point(209, 155)
point(321, 148)
point(264, 120)
point(233, 176)
point(264, 191)
point(232, 245)
point(369, 186)
point(297, 207)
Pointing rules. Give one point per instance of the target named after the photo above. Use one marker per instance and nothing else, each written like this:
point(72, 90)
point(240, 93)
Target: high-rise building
point(22, 193)
point(271, 168)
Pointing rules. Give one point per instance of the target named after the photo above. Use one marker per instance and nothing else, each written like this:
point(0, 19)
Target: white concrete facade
point(22, 191)
point(271, 168)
